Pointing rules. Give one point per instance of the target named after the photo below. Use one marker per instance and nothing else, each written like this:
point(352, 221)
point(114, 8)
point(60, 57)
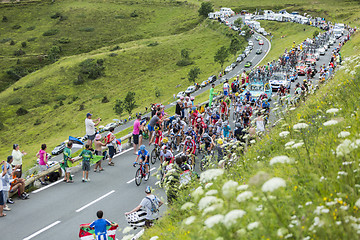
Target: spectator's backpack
point(154, 205)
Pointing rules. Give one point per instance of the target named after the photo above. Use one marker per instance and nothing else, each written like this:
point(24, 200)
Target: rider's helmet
point(198, 120)
point(189, 129)
point(142, 148)
point(165, 140)
point(192, 98)
point(156, 128)
point(210, 126)
point(181, 98)
point(305, 80)
point(163, 147)
point(193, 108)
point(236, 94)
point(148, 189)
point(220, 141)
point(238, 125)
point(206, 135)
point(173, 122)
point(188, 138)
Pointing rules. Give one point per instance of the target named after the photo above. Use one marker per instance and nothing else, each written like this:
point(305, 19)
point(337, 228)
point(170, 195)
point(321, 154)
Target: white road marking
point(95, 201)
point(42, 230)
point(122, 152)
point(50, 185)
point(130, 181)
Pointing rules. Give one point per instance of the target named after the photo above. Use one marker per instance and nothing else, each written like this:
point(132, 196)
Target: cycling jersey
point(143, 155)
point(158, 137)
point(190, 144)
point(166, 155)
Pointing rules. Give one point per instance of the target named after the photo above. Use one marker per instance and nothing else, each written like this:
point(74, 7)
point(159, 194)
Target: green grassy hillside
point(300, 181)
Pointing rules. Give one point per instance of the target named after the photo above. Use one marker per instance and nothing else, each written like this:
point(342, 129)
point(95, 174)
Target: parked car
point(247, 51)
point(239, 59)
point(204, 83)
point(249, 47)
point(325, 47)
point(248, 64)
point(278, 79)
point(228, 69)
point(181, 94)
point(212, 78)
point(251, 43)
point(257, 38)
point(58, 149)
point(265, 33)
point(259, 51)
point(110, 125)
point(256, 89)
point(261, 42)
point(242, 33)
point(300, 68)
point(233, 65)
point(243, 56)
point(317, 55)
point(190, 89)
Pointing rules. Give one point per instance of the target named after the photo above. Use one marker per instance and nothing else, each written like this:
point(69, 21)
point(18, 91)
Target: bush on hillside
point(50, 32)
point(5, 19)
point(16, 88)
point(61, 97)
point(5, 40)
point(17, 72)
point(113, 54)
point(56, 15)
point(21, 111)
point(54, 53)
point(23, 44)
point(64, 40)
point(205, 9)
point(1, 126)
point(117, 47)
point(78, 81)
point(37, 122)
point(12, 42)
point(120, 16)
point(15, 101)
point(92, 68)
point(81, 107)
point(134, 14)
point(17, 26)
point(87, 29)
point(61, 103)
point(157, 92)
point(153, 44)
point(30, 28)
point(32, 39)
point(184, 62)
point(105, 100)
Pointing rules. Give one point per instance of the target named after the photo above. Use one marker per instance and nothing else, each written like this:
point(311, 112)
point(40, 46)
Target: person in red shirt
point(158, 136)
point(190, 146)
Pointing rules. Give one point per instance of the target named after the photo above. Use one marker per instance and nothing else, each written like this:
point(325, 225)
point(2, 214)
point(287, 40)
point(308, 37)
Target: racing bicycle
point(140, 174)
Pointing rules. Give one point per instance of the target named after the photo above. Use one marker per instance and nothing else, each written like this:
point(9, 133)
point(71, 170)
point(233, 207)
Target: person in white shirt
point(2, 202)
point(226, 87)
point(90, 128)
point(17, 162)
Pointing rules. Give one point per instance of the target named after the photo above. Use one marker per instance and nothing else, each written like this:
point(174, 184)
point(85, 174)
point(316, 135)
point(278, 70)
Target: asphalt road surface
point(56, 211)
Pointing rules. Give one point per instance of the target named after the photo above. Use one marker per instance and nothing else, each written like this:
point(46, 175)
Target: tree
point(247, 31)
point(238, 22)
point(185, 53)
point(119, 107)
point(54, 53)
point(205, 9)
point(316, 32)
point(129, 102)
point(193, 74)
point(221, 56)
point(234, 46)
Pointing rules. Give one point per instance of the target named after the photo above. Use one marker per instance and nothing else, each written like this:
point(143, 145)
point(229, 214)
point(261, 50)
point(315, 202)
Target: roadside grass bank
point(300, 181)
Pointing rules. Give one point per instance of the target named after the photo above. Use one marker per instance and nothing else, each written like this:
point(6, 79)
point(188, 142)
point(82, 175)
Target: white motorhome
point(227, 12)
point(215, 15)
point(248, 17)
point(269, 15)
point(278, 17)
point(337, 32)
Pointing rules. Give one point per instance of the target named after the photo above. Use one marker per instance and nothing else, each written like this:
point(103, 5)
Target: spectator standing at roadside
point(98, 151)
point(17, 162)
point(151, 126)
point(211, 96)
point(2, 202)
point(6, 183)
point(110, 143)
point(178, 108)
point(100, 226)
point(16, 184)
point(86, 155)
point(142, 129)
point(90, 128)
point(136, 133)
point(65, 163)
point(43, 161)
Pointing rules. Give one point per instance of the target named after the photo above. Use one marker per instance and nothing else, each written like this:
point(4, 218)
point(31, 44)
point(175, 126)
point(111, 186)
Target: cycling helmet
point(181, 98)
point(206, 135)
point(210, 126)
point(236, 94)
point(173, 122)
point(193, 108)
point(148, 189)
point(188, 138)
point(189, 129)
point(238, 125)
point(165, 140)
point(220, 141)
point(142, 147)
point(163, 147)
point(192, 98)
point(198, 120)
point(156, 128)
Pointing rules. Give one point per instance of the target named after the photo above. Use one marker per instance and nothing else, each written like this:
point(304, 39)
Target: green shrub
point(56, 15)
point(80, 80)
point(37, 122)
point(32, 39)
point(120, 16)
point(17, 72)
point(134, 14)
point(113, 54)
point(44, 101)
point(16, 88)
point(50, 32)
point(115, 48)
point(21, 111)
point(17, 26)
point(56, 106)
point(87, 29)
point(64, 40)
point(30, 28)
point(1, 126)
point(153, 44)
point(184, 62)
point(157, 92)
point(23, 44)
point(74, 98)
point(61, 97)
point(63, 18)
point(29, 85)
point(81, 107)
point(15, 101)
point(92, 68)
point(105, 100)
point(5, 19)
point(5, 40)
point(19, 52)
point(61, 103)
point(12, 42)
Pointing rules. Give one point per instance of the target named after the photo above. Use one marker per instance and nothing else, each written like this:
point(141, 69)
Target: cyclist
point(247, 96)
point(190, 146)
point(226, 87)
point(226, 129)
point(208, 141)
point(158, 135)
point(143, 155)
point(166, 155)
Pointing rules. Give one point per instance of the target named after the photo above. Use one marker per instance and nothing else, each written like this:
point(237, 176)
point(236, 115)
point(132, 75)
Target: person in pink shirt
point(136, 132)
point(43, 161)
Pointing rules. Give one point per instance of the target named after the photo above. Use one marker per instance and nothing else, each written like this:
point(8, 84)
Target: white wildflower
point(338, 223)
point(323, 179)
point(284, 134)
point(187, 206)
point(213, 220)
point(288, 236)
point(212, 208)
point(242, 187)
point(343, 173)
point(154, 238)
point(281, 232)
point(299, 126)
point(330, 123)
point(308, 203)
point(127, 230)
point(281, 159)
point(332, 110)
point(253, 225)
point(232, 217)
point(208, 201)
point(343, 134)
point(273, 184)
point(211, 192)
point(357, 203)
point(259, 208)
point(189, 220)
point(297, 145)
point(229, 188)
point(208, 185)
point(318, 222)
point(244, 196)
point(197, 193)
point(325, 210)
point(288, 144)
point(307, 238)
point(344, 148)
point(211, 174)
point(241, 232)
point(292, 109)
point(344, 208)
point(252, 141)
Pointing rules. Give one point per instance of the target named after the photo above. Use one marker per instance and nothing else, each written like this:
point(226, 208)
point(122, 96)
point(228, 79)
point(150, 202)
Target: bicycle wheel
point(147, 175)
point(138, 177)
point(153, 156)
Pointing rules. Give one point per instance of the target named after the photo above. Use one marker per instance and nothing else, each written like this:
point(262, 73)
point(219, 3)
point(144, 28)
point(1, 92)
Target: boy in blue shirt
point(100, 226)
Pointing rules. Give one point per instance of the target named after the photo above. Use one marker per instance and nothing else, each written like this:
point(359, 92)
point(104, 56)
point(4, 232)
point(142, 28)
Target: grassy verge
point(315, 165)
point(284, 34)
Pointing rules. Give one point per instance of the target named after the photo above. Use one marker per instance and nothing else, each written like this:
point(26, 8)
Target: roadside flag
point(89, 233)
